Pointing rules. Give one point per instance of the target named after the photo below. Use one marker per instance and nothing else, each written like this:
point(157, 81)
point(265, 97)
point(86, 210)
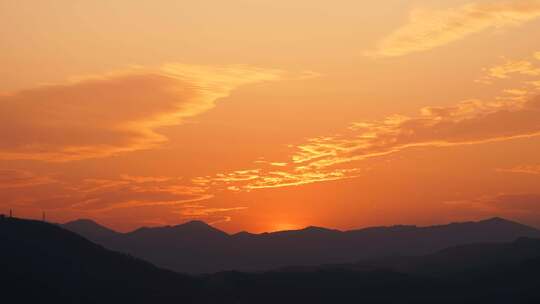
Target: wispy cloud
point(118, 112)
point(103, 195)
point(268, 177)
point(19, 179)
point(164, 199)
point(96, 195)
point(519, 205)
point(513, 114)
point(522, 67)
point(212, 215)
point(329, 158)
point(431, 28)
point(469, 122)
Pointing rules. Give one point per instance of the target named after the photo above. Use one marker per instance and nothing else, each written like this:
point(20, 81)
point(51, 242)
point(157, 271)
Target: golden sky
point(264, 115)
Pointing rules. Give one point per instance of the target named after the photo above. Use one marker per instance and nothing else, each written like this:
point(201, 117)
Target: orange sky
point(269, 115)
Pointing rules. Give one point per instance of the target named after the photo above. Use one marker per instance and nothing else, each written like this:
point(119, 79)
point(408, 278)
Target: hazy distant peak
point(498, 220)
point(89, 229)
point(195, 224)
point(86, 223)
point(318, 229)
point(190, 231)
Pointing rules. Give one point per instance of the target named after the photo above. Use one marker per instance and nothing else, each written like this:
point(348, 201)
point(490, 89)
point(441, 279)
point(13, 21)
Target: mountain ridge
point(196, 247)
point(43, 262)
point(389, 227)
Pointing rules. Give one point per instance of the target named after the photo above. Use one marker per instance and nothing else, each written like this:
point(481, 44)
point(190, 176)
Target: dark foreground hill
point(196, 247)
point(43, 263)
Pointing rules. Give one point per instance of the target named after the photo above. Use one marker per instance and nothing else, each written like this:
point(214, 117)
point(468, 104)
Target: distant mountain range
point(44, 263)
point(196, 247)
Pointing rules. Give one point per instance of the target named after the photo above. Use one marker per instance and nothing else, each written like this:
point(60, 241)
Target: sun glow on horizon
point(284, 226)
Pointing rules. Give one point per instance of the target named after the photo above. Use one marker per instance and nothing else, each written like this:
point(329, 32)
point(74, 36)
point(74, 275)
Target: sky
point(266, 115)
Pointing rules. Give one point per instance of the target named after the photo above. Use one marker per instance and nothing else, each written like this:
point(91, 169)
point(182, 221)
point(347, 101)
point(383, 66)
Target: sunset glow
point(270, 115)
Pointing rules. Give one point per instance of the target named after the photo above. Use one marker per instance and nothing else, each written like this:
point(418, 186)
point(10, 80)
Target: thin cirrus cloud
point(431, 28)
point(333, 157)
point(507, 204)
point(268, 177)
point(119, 112)
point(20, 179)
point(105, 195)
point(469, 122)
point(211, 215)
point(523, 169)
point(174, 197)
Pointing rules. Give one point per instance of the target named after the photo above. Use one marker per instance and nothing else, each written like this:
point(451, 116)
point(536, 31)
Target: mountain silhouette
point(44, 263)
point(196, 247)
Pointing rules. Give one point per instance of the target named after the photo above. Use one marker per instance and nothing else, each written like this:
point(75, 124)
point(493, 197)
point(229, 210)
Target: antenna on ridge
point(10, 213)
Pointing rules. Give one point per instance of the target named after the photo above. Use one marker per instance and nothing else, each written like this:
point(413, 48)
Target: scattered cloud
point(510, 68)
point(104, 115)
point(431, 28)
point(522, 67)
